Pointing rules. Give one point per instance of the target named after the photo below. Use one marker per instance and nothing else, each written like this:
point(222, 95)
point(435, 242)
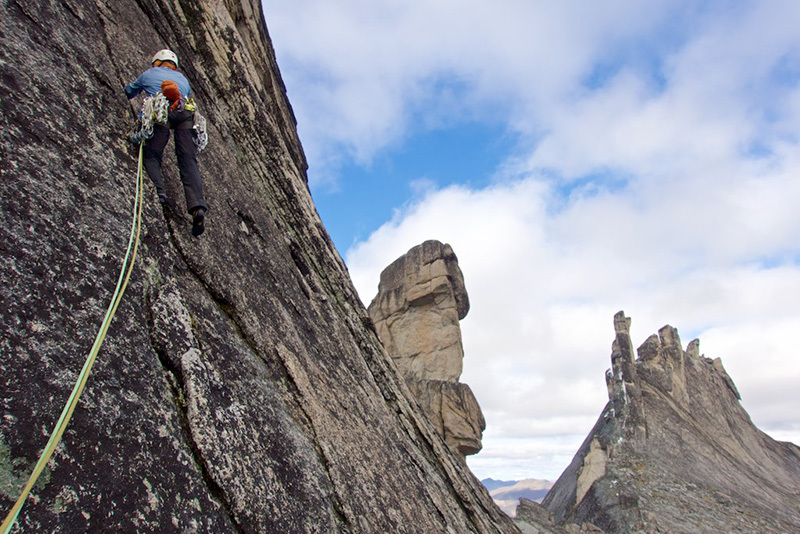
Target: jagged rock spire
point(674, 450)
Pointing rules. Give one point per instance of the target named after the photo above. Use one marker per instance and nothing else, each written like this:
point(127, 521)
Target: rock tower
point(421, 299)
point(675, 451)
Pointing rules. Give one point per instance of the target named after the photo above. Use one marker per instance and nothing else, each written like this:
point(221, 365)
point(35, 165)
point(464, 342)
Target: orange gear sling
point(170, 90)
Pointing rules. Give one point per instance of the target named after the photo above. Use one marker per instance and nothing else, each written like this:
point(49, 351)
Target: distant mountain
point(491, 484)
point(507, 493)
point(532, 489)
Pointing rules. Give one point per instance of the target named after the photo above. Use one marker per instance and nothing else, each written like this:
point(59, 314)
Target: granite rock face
point(421, 299)
point(454, 412)
point(674, 451)
point(533, 518)
point(241, 387)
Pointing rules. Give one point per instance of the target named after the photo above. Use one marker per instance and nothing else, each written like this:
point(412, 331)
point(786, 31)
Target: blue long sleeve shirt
point(150, 82)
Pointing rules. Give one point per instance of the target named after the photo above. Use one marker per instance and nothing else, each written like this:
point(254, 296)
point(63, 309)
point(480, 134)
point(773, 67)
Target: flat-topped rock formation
point(421, 299)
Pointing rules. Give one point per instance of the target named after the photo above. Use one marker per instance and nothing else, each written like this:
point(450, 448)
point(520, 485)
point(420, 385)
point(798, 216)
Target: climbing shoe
point(162, 199)
point(198, 221)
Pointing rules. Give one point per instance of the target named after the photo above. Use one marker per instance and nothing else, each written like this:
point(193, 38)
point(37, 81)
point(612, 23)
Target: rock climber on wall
point(163, 77)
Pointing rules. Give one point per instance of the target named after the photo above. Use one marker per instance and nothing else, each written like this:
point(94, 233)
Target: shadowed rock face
point(241, 388)
point(675, 451)
point(421, 298)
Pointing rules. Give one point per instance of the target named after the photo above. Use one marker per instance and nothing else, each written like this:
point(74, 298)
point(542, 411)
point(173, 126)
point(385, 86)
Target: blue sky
point(581, 158)
point(395, 177)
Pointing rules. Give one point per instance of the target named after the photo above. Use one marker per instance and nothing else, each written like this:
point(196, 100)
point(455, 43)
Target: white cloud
point(694, 203)
point(657, 173)
point(361, 74)
point(538, 335)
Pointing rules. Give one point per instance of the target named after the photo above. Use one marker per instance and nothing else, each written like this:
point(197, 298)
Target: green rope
point(69, 407)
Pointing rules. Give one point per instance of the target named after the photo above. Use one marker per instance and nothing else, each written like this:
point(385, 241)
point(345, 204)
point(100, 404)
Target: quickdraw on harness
point(155, 110)
point(200, 135)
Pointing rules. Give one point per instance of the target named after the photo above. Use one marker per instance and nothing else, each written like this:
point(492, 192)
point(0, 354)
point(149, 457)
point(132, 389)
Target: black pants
point(181, 123)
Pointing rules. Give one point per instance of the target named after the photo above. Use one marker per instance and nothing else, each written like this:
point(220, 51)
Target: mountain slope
point(675, 451)
point(241, 387)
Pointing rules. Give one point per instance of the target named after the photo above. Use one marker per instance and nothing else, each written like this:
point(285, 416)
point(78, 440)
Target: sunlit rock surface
point(421, 299)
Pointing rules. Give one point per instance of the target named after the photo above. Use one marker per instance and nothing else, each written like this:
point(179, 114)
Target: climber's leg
point(186, 152)
point(153, 154)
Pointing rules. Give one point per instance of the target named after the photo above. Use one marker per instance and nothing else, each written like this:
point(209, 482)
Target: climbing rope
point(66, 414)
point(155, 110)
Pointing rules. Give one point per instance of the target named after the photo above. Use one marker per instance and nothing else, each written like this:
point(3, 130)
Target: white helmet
point(165, 55)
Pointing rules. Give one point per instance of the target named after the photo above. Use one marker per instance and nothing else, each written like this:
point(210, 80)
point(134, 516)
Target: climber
point(163, 77)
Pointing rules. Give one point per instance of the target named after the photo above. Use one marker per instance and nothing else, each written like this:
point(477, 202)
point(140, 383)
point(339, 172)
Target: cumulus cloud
point(656, 173)
point(538, 336)
point(361, 74)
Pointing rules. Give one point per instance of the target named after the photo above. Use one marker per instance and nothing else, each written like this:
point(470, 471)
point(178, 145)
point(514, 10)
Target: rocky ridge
point(241, 387)
point(675, 451)
point(421, 299)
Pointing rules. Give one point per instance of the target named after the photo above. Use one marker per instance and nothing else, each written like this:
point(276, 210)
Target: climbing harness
point(69, 407)
point(155, 110)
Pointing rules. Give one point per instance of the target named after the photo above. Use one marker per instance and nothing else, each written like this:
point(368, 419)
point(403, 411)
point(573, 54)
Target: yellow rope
point(69, 407)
